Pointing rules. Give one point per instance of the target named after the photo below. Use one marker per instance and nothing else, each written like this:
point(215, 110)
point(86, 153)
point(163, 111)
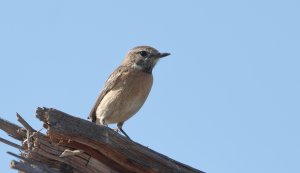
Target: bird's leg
point(120, 124)
point(101, 122)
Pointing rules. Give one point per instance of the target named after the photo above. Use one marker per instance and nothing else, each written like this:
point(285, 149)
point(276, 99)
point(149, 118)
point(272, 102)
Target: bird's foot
point(118, 130)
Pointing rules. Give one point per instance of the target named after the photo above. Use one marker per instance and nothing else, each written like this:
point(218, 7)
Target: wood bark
point(86, 147)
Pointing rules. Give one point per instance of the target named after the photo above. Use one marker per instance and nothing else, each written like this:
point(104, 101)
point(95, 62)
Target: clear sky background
point(226, 100)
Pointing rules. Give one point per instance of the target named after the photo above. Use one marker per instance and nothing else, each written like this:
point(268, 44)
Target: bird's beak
point(160, 55)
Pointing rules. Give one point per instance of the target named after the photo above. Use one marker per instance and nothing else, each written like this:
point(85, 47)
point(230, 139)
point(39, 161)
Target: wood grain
point(104, 150)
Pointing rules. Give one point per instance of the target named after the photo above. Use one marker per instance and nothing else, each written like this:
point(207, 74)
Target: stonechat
point(127, 88)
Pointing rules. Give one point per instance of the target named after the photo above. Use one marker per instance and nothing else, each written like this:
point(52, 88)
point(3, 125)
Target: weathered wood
point(27, 168)
point(129, 155)
point(24, 123)
point(87, 148)
point(29, 165)
point(11, 144)
point(12, 130)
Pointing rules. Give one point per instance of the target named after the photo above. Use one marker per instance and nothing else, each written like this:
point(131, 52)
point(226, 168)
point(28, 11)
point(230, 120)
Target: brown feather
point(127, 88)
point(109, 84)
point(129, 93)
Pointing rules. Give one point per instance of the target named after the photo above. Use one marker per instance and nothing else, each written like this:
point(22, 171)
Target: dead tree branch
point(74, 145)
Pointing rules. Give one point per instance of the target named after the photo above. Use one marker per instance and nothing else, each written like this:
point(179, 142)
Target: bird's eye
point(143, 53)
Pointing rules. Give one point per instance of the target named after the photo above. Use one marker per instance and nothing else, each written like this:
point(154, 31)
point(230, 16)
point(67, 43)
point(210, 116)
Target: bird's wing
point(109, 84)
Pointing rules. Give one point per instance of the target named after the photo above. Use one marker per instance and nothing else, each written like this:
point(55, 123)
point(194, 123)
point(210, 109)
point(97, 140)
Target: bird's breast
point(126, 98)
point(134, 90)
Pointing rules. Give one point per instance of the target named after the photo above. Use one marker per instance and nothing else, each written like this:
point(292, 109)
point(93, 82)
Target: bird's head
point(143, 58)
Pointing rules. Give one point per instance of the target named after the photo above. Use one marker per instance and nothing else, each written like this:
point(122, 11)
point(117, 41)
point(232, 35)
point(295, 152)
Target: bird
point(127, 88)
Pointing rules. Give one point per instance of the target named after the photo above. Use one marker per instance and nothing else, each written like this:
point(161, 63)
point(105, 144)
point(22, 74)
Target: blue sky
point(226, 100)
